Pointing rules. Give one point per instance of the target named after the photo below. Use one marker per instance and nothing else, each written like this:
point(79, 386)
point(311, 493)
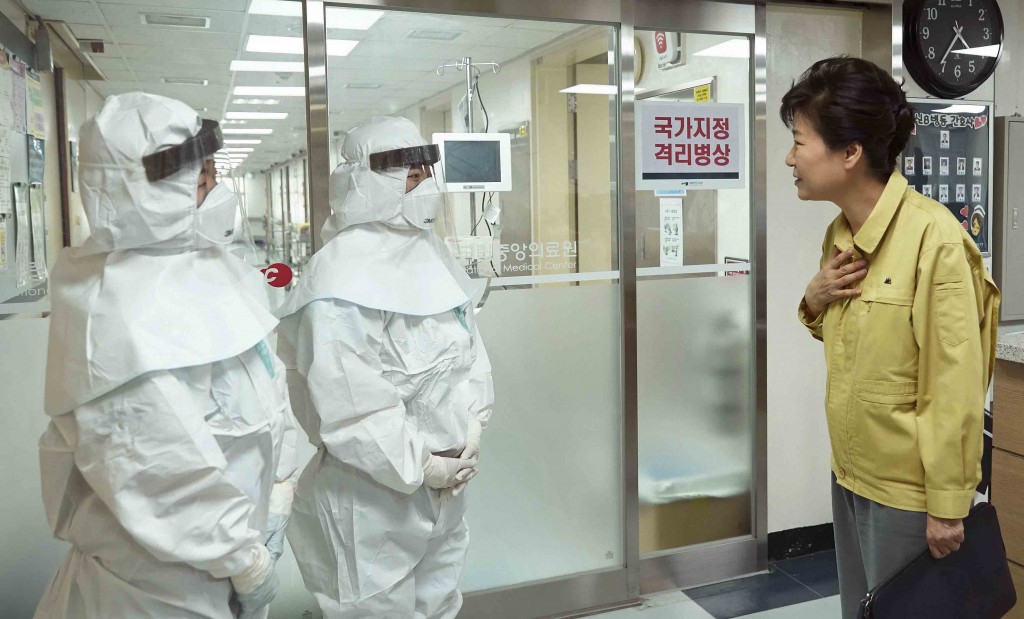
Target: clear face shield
point(242, 241)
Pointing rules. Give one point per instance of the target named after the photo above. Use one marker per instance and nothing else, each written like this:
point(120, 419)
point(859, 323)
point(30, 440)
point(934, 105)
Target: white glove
point(440, 472)
point(277, 521)
point(471, 451)
point(257, 585)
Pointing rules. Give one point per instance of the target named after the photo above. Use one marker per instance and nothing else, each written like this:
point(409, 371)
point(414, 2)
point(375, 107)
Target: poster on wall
point(37, 210)
point(948, 159)
point(18, 95)
point(36, 108)
point(689, 145)
point(36, 159)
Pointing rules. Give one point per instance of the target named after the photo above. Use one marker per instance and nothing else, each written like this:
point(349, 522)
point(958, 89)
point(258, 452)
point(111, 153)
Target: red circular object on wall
point(278, 274)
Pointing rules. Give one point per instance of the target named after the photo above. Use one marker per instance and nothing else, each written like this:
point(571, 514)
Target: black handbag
point(971, 583)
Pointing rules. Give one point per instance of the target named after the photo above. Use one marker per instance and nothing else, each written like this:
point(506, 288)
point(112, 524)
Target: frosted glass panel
point(694, 337)
point(548, 500)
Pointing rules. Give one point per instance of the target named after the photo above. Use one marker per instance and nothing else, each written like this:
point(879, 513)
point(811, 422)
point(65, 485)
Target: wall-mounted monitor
point(475, 161)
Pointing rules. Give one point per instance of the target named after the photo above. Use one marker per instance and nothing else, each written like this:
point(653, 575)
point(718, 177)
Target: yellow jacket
point(910, 360)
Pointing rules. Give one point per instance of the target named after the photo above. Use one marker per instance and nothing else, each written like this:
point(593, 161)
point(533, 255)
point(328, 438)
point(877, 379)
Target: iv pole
point(468, 65)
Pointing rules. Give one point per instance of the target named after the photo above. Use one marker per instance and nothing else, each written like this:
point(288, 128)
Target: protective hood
point(359, 194)
point(140, 296)
point(124, 208)
point(372, 255)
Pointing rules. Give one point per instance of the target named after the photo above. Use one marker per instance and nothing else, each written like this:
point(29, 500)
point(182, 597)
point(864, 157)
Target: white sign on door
point(689, 145)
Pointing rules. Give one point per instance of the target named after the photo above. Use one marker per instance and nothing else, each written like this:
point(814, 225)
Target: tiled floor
point(801, 588)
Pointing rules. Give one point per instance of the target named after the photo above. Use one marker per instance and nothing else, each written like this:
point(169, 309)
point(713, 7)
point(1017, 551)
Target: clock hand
point(959, 35)
point(951, 44)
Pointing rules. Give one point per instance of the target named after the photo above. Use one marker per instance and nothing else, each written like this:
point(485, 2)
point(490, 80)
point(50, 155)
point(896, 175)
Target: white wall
point(1009, 87)
point(798, 447)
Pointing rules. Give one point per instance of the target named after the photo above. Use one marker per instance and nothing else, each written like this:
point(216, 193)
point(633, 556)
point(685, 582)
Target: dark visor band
point(166, 162)
point(405, 157)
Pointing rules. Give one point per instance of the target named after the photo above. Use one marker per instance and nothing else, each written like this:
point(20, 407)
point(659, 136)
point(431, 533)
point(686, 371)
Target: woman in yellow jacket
point(907, 313)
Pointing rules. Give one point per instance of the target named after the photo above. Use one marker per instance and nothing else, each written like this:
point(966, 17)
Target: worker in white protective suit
point(394, 388)
point(169, 460)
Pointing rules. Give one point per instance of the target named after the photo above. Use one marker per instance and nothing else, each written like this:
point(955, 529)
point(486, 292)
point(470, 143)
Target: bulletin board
point(23, 272)
point(948, 158)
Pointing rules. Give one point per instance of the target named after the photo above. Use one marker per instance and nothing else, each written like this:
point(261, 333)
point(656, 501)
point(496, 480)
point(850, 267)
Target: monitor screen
point(472, 161)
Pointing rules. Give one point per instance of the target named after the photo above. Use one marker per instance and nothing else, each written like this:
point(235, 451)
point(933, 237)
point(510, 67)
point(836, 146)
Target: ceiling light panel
point(246, 131)
point(267, 66)
point(270, 91)
point(294, 45)
point(257, 115)
point(337, 17)
point(240, 142)
point(255, 102)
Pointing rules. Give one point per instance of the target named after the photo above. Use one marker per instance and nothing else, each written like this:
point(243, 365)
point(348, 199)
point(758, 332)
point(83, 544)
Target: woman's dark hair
point(851, 100)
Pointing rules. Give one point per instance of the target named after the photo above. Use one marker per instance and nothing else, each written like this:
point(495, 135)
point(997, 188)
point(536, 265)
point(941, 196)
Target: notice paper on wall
point(671, 254)
point(36, 206)
point(689, 145)
point(23, 248)
point(3, 242)
point(18, 101)
point(36, 109)
point(5, 186)
point(6, 92)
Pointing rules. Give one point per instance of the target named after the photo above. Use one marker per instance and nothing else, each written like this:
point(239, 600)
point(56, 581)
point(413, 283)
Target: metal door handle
point(1015, 219)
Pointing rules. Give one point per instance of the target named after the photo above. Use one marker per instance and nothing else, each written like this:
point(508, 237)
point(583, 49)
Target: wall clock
point(950, 47)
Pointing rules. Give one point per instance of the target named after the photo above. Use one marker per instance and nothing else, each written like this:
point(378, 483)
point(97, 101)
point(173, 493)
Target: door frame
point(689, 566)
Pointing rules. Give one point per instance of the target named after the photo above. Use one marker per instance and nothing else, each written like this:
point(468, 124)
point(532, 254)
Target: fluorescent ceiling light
point(255, 102)
point(733, 48)
point(239, 150)
point(270, 91)
point(293, 45)
point(591, 89)
point(362, 86)
point(257, 115)
point(267, 65)
point(243, 141)
point(341, 18)
point(235, 122)
point(963, 109)
point(246, 131)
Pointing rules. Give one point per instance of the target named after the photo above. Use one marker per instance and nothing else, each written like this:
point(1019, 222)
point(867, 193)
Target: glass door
point(695, 292)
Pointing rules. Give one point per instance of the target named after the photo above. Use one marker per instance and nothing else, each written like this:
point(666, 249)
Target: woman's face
point(207, 181)
point(820, 173)
point(416, 175)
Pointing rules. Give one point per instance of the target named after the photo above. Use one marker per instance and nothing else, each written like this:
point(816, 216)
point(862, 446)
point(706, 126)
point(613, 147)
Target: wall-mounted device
point(475, 161)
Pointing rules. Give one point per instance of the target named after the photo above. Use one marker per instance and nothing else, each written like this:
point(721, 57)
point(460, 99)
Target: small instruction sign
point(702, 94)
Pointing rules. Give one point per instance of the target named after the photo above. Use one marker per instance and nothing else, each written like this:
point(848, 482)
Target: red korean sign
point(689, 145)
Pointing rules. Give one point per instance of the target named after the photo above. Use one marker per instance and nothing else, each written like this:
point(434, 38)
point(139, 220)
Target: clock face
point(952, 46)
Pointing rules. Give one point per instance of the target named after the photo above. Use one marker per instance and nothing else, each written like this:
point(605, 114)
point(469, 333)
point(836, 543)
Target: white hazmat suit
point(391, 372)
point(170, 419)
